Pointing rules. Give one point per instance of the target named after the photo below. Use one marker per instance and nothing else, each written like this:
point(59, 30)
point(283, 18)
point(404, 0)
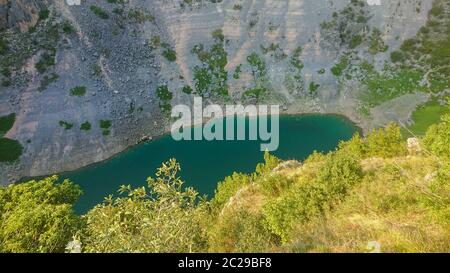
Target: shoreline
point(359, 129)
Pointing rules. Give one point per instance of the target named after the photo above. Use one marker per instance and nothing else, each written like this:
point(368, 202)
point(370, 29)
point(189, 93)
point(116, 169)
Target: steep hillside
point(88, 81)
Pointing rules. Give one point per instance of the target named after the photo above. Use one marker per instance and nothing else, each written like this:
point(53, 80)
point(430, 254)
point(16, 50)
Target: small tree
point(163, 218)
point(437, 138)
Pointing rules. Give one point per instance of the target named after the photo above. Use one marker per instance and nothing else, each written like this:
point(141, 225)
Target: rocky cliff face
point(21, 14)
point(275, 51)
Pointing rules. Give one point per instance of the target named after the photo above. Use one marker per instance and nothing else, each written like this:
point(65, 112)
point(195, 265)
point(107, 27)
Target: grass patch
point(388, 85)
point(10, 150)
point(426, 115)
point(6, 123)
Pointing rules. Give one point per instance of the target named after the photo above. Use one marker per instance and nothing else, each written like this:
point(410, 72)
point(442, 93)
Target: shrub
point(67, 28)
point(187, 89)
point(218, 35)
point(339, 68)
point(86, 126)
point(163, 93)
point(10, 150)
point(6, 123)
point(437, 138)
point(338, 174)
point(44, 14)
point(386, 142)
point(78, 91)
point(99, 12)
point(65, 125)
point(228, 187)
point(105, 124)
point(163, 217)
point(397, 57)
point(313, 87)
point(170, 54)
point(356, 41)
point(37, 216)
point(46, 61)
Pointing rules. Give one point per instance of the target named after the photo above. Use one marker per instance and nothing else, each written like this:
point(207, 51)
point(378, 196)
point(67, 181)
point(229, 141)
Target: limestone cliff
point(20, 14)
point(119, 53)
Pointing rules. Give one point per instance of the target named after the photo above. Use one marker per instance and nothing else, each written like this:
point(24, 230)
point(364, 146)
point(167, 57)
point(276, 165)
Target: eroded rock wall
point(112, 58)
point(21, 14)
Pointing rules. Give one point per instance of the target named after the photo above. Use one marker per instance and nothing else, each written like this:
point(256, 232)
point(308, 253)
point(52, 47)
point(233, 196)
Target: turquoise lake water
point(204, 163)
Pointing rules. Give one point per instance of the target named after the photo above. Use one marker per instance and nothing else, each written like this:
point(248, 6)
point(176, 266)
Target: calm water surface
point(205, 163)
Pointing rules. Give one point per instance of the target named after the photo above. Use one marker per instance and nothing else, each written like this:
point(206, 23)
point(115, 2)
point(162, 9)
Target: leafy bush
point(86, 126)
point(386, 142)
point(397, 57)
point(187, 89)
point(78, 91)
point(170, 55)
point(37, 216)
point(163, 218)
point(313, 87)
point(356, 41)
point(105, 124)
point(228, 187)
point(437, 138)
point(163, 93)
point(339, 68)
point(300, 203)
point(44, 14)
